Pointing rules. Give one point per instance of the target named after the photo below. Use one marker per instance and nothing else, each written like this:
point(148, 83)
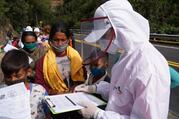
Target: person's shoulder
point(38, 87)
point(41, 46)
point(21, 49)
point(71, 49)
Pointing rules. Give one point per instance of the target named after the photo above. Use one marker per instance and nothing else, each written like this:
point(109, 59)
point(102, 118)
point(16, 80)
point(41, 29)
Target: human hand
point(85, 88)
point(89, 110)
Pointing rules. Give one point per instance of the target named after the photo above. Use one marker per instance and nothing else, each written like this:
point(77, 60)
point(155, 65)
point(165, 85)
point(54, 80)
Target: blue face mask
point(97, 71)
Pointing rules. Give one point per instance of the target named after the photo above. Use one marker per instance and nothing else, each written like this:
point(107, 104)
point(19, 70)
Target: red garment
point(15, 43)
point(39, 77)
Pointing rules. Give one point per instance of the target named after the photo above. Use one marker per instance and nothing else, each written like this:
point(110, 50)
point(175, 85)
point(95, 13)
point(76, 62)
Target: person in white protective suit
point(140, 80)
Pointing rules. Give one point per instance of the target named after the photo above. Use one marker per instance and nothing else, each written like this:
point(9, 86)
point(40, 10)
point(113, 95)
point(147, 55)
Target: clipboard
point(68, 102)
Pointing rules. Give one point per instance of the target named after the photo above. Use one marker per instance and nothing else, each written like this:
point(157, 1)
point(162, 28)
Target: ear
point(29, 72)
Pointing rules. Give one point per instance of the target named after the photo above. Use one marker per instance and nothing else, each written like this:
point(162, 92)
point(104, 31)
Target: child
point(98, 66)
point(15, 67)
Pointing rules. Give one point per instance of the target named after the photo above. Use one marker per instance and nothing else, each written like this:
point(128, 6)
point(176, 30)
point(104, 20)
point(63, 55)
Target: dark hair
point(46, 29)
point(59, 27)
point(28, 33)
point(13, 61)
point(99, 53)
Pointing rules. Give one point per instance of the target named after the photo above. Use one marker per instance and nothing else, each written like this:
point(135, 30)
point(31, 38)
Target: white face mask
point(113, 49)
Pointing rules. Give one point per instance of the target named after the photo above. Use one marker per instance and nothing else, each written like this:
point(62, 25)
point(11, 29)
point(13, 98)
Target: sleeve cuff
point(97, 113)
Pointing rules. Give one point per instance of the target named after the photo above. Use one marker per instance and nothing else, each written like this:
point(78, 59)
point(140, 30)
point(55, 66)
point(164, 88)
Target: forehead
point(30, 38)
point(60, 35)
point(21, 71)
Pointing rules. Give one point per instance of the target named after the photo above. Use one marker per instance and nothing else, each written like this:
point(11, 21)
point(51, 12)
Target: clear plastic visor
point(96, 34)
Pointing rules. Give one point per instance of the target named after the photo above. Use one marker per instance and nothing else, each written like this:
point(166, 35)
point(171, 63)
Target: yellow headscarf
point(52, 75)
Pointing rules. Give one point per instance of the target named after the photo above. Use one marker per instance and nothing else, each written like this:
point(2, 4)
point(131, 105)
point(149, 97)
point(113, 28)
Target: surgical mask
point(113, 49)
point(30, 46)
point(59, 48)
point(96, 72)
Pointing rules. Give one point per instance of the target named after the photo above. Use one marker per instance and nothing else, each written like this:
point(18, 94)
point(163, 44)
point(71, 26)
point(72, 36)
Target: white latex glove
point(89, 110)
point(85, 88)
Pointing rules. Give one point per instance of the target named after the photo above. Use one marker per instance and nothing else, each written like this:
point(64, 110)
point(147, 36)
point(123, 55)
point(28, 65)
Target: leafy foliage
point(73, 10)
point(26, 12)
point(17, 13)
point(163, 15)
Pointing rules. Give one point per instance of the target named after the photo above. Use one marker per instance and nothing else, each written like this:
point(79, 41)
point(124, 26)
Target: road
point(171, 53)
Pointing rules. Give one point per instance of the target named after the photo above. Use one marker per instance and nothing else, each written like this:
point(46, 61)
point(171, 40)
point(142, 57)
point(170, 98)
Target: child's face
point(20, 76)
point(98, 68)
point(100, 63)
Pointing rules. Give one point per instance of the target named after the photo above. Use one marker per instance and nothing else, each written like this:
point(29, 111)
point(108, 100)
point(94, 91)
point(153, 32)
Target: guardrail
point(154, 37)
point(171, 63)
point(164, 38)
point(170, 37)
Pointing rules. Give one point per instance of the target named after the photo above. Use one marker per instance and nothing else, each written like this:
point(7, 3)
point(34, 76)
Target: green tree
point(2, 17)
point(18, 13)
point(28, 12)
point(40, 10)
point(3, 9)
point(73, 10)
point(162, 14)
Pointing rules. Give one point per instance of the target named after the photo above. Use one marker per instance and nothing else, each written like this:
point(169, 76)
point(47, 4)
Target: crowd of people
point(49, 65)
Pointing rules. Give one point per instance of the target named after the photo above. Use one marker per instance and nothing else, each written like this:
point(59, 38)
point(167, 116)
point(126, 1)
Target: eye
point(63, 40)
point(30, 42)
point(59, 40)
point(55, 40)
point(19, 75)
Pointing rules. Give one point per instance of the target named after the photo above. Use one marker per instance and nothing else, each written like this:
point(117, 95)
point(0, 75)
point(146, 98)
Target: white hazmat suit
point(140, 80)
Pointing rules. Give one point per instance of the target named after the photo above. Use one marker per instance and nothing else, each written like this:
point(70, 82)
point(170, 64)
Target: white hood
point(131, 29)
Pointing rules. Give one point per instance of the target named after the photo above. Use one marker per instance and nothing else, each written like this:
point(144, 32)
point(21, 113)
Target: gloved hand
point(85, 88)
point(89, 110)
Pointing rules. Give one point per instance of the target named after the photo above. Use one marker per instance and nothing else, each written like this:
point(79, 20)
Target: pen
point(70, 100)
point(50, 103)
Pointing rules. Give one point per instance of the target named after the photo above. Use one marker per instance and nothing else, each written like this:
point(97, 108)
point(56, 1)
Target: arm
point(103, 89)
point(151, 101)
point(39, 77)
point(174, 77)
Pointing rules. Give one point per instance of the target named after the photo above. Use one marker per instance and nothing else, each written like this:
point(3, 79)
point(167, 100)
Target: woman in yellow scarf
point(61, 67)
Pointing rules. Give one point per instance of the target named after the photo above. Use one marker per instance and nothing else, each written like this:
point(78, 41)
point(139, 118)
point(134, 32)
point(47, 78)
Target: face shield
point(98, 33)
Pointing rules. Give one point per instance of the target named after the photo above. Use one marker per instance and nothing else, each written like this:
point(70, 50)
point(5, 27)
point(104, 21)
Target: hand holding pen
point(85, 88)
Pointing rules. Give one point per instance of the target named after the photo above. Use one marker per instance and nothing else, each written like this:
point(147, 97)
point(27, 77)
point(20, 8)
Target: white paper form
point(77, 97)
point(15, 102)
point(69, 102)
